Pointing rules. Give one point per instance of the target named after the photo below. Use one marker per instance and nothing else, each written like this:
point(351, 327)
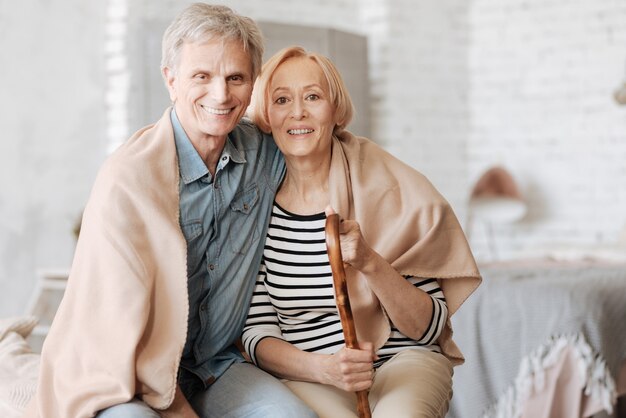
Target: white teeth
point(216, 111)
point(299, 131)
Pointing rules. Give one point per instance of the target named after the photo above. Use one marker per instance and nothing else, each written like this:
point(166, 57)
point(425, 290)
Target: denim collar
point(192, 167)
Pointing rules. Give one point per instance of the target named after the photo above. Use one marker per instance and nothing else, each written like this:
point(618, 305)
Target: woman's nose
point(297, 110)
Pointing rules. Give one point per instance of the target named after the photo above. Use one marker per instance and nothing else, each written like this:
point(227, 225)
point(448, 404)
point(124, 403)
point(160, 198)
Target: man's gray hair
point(201, 22)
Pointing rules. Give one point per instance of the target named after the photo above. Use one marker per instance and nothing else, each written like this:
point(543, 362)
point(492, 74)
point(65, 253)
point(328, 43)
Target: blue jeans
point(243, 391)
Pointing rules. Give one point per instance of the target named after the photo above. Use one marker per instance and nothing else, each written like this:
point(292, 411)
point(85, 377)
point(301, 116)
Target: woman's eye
point(312, 97)
point(280, 100)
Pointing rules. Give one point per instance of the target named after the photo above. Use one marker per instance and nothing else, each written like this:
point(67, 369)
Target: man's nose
point(219, 90)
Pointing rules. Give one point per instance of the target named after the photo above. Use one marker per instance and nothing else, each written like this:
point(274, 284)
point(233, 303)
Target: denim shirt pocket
point(243, 219)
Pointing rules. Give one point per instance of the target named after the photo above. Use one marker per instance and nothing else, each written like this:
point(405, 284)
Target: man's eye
point(237, 79)
point(200, 77)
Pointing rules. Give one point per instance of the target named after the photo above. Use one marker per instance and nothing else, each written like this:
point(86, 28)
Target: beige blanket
point(405, 220)
point(129, 270)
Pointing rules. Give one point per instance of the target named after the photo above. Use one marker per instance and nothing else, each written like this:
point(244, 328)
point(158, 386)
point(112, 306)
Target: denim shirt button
point(211, 266)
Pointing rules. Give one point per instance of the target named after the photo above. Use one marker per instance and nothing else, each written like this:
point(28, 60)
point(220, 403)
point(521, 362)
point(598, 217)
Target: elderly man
point(170, 248)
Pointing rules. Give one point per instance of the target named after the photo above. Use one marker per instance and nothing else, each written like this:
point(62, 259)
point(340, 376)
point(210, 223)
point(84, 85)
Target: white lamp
point(496, 199)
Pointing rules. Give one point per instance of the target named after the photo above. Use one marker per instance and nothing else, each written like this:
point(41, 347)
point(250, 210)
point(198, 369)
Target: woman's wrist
point(373, 263)
point(318, 366)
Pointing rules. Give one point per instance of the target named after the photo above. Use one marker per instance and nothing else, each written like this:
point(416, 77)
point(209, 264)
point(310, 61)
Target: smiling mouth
point(214, 111)
point(299, 131)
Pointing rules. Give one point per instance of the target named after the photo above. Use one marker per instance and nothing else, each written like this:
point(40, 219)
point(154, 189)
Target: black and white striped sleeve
point(440, 309)
point(262, 319)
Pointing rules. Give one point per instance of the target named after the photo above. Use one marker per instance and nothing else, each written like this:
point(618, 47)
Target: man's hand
point(180, 408)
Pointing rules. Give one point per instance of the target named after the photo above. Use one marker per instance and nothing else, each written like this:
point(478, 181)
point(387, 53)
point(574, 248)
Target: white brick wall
point(542, 76)
point(117, 86)
point(339, 14)
point(421, 90)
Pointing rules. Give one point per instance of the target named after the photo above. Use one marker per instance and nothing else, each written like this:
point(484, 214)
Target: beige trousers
point(414, 383)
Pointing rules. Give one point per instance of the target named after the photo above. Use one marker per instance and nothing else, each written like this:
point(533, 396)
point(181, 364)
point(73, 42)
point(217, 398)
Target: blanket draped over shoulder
point(405, 220)
point(129, 270)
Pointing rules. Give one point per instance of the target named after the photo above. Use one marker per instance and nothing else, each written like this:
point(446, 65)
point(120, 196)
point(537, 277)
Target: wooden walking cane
point(343, 300)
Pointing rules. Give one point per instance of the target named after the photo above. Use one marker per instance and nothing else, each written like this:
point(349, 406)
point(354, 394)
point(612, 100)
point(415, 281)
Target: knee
point(290, 409)
point(288, 405)
point(132, 409)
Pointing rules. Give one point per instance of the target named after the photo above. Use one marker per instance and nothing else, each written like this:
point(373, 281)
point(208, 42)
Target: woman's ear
point(339, 121)
point(338, 125)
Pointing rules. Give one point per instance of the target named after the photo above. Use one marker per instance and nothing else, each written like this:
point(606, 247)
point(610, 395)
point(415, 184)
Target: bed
point(543, 339)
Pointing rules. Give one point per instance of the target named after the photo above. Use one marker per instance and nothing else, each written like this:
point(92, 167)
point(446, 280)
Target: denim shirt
point(223, 218)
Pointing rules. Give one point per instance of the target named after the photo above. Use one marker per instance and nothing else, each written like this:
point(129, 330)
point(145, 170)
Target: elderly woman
point(408, 264)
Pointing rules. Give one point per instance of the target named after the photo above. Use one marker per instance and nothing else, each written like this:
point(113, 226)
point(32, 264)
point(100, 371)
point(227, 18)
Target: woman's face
point(300, 113)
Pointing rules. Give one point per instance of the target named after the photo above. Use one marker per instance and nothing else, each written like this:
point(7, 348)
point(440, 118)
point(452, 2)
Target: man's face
point(210, 87)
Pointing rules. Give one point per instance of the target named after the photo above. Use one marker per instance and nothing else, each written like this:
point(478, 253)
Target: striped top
point(294, 298)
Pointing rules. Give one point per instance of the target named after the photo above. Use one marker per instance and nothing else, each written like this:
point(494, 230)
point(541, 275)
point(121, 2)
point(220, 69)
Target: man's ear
point(170, 77)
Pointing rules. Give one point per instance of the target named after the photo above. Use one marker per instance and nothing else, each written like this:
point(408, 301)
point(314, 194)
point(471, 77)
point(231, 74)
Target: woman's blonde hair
point(339, 96)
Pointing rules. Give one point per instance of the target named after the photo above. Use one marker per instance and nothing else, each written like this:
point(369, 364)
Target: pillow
point(19, 366)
